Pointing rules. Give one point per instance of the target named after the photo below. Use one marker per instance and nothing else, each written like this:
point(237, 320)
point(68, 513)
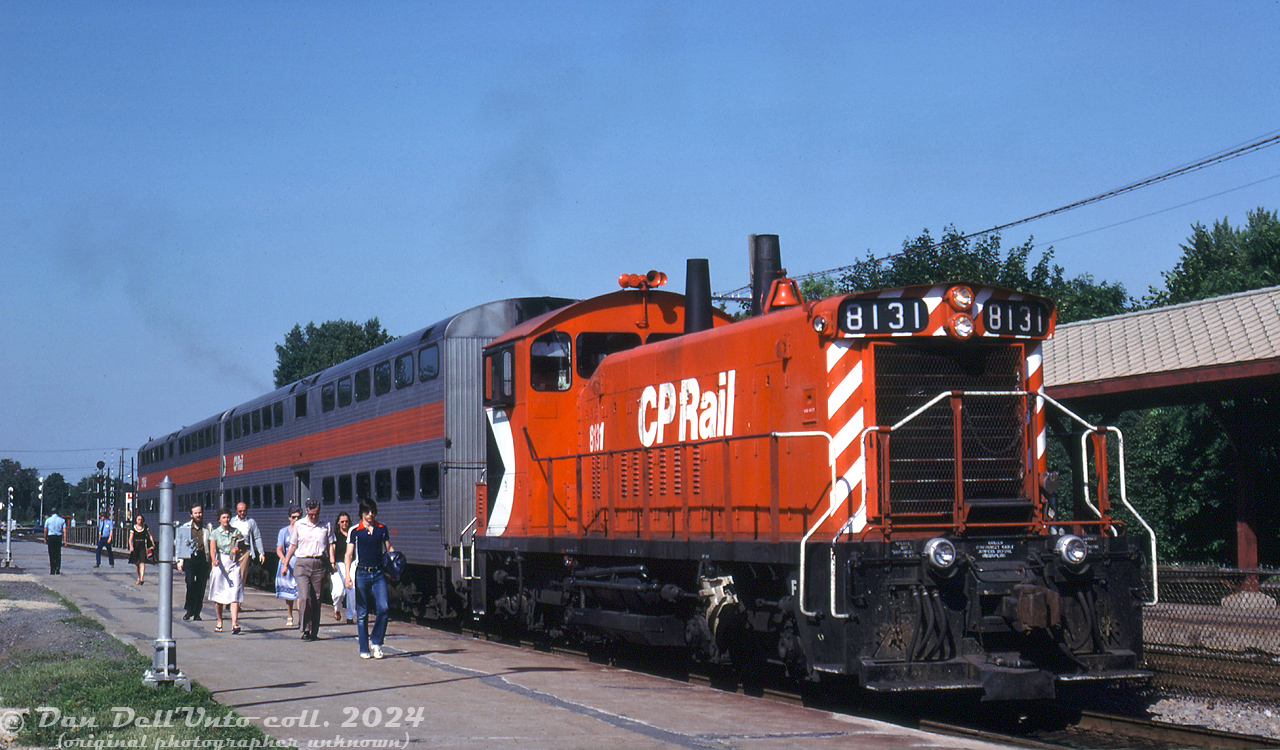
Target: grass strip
point(87, 692)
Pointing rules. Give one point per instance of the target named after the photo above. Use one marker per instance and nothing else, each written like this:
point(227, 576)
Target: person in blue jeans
point(366, 545)
point(105, 525)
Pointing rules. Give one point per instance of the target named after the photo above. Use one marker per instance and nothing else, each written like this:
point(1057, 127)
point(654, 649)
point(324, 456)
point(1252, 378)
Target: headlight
point(1071, 549)
point(962, 326)
point(940, 553)
point(819, 324)
point(961, 297)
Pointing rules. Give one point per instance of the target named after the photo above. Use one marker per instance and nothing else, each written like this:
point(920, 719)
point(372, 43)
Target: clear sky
point(181, 183)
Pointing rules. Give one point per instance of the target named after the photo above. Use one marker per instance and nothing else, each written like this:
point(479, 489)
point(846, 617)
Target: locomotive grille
point(922, 452)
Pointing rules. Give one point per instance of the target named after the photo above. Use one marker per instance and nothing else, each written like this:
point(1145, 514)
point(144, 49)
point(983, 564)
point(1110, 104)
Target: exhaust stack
point(766, 266)
point(697, 295)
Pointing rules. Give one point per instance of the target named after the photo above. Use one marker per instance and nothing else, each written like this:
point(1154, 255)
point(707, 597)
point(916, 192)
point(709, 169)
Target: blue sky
point(183, 182)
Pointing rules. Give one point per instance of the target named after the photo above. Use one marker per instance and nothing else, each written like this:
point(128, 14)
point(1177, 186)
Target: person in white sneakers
point(366, 545)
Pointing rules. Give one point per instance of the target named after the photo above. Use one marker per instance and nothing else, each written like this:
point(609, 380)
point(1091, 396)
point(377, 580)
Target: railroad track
point(1059, 728)
point(1098, 730)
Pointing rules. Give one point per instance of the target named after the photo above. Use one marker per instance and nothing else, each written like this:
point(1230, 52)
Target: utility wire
point(1266, 141)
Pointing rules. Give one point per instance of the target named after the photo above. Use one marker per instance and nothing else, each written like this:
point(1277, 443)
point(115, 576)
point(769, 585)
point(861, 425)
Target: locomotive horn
point(766, 265)
point(697, 295)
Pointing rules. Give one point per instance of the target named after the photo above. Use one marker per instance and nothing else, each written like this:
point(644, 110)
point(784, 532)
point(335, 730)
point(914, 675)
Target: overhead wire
point(1265, 141)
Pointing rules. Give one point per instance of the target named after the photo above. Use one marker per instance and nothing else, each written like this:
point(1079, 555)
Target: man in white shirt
point(311, 543)
point(54, 526)
point(248, 528)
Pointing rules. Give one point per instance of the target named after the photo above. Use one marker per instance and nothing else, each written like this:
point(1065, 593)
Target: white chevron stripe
point(847, 434)
point(843, 390)
point(1034, 360)
point(850, 483)
point(836, 352)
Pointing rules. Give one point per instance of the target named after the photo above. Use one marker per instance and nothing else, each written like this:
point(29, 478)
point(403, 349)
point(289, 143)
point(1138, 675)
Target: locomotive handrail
point(832, 504)
point(1124, 496)
point(470, 575)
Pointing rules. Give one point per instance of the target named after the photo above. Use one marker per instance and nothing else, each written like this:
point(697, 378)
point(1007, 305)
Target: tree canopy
point(309, 350)
point(957, 257)
point(1224, 260)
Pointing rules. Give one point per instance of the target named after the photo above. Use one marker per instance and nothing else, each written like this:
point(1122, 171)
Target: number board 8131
point(868, 316)
point(1002, 317)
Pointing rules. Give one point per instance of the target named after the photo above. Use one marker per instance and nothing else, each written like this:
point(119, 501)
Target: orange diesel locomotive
point(850, 486)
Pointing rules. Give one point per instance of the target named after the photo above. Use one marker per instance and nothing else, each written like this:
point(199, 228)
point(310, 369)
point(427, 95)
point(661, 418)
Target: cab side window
point(550, 363)
point(499, 377)
point(594, 347)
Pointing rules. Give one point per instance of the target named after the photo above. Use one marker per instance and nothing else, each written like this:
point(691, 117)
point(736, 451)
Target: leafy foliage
point(309, 350)
point(957, 257)
point(1224, 260)
point(1182, 467)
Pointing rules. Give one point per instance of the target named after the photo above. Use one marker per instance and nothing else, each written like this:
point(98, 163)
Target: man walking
point(105, 526)
point(248, 528)
point(312, 543)
point(54, 526)
point(191, 548)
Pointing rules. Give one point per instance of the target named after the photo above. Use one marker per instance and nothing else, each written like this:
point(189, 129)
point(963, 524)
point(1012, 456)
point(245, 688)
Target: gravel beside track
point(1241, 717)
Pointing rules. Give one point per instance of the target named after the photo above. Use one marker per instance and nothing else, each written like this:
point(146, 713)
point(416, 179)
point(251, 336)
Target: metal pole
point(164, 659)
point(8, 530)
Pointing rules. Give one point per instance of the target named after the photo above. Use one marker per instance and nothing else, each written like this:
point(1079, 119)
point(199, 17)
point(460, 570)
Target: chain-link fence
point(1215, 631)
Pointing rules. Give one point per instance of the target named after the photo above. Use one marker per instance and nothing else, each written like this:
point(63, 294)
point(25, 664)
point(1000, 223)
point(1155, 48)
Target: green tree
point(1224, 260)
point(57, 493)
point(25, 484)
point(957, 257)
point(309, 350)
point(1181, 466)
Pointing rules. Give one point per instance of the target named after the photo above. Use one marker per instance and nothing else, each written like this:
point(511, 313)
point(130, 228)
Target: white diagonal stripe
point(843, 390)
point(847, 434)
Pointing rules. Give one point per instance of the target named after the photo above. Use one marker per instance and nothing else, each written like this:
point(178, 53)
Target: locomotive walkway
point(437, 689)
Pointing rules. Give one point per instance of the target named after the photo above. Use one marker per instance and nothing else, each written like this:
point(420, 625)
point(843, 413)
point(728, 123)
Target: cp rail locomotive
point(855, 486)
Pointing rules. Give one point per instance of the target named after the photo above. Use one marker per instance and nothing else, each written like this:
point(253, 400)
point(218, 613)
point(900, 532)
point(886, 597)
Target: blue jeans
point(371, 587)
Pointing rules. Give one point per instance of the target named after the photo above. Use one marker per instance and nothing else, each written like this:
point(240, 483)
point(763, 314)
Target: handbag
point(393, 565)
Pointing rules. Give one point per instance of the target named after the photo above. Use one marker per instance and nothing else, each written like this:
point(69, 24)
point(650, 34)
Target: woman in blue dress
point(286, 586)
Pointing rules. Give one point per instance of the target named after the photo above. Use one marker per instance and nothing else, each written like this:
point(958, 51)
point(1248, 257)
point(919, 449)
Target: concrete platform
point(440, 690)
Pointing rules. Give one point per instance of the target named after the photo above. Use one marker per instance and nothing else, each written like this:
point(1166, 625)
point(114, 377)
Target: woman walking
point(141, 543)
point(286, 586)
point(226, 544)
point(344, 597)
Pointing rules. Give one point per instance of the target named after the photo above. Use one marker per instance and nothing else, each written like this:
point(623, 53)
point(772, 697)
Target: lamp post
point(164, 659)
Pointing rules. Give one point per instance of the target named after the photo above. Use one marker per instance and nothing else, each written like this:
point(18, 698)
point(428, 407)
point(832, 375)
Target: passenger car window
point(381, 378)
point(549, 362)
point(404, 370)
point(344, 391)
point(428, 362)
point(404, 483)
point(429, 480)
point(362, 384)
point(327, 400)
